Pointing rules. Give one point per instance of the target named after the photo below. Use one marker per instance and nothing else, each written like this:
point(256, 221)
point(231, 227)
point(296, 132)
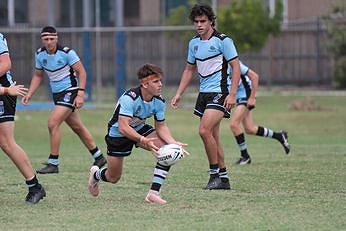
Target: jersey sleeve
point(72, 57)
point(160, 112)
point(126, 106)
point(38, 64)
point(228, 49)
point(190, 54)
point(243, 68)
point(3, 45)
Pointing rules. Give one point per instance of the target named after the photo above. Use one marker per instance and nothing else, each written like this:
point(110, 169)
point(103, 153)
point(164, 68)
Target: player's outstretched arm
point(184, 82)
point(34, 84)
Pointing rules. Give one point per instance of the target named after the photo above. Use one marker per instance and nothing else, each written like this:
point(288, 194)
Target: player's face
point(155, 86)
point(50, 43)
point(203, 26)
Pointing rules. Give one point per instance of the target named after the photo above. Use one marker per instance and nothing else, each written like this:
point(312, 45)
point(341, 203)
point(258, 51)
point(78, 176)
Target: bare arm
point(81, 74)
point(164, 133)
point(126, 130)
point(230, 100)
point(254, 85)
point(184, 82)
point(34, 84)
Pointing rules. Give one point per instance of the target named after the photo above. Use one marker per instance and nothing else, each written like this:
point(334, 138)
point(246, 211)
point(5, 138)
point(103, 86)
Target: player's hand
point(25, 100)
point(175, 101)
point(251, 102)
point(15, 90)
point(78, 101)
point(182, 145)
point(229, 102)
point(149, 144)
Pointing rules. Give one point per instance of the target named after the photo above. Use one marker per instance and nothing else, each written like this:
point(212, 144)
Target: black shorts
point(211, 101)
point(7, 107)
point(122, 146)
point(65, 98)
point(243, 101)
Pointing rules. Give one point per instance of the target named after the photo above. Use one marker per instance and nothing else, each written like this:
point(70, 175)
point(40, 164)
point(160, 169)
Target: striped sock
point(96, 152)
point(53, 159)
point(160, 174)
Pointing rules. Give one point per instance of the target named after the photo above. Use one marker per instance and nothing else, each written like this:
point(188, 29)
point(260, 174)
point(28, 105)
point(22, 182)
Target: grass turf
point(303, 191)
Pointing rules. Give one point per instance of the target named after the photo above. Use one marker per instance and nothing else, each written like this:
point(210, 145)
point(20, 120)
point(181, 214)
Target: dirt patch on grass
point(306, 105)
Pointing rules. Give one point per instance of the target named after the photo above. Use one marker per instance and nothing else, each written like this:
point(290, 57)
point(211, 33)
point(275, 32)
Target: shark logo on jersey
point(216, 98)
point(212, 49)
point(2, 109)
point(44, 62)
point(60, 61)
point(67, 97)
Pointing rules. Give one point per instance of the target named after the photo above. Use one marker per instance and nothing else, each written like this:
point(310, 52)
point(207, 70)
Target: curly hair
point(200, 10)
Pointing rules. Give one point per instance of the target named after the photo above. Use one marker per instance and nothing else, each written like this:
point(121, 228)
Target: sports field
point(303, 191)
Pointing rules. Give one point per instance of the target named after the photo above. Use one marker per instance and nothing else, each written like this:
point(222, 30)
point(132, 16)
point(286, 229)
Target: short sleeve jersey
point(131, 104)
point(6, 79)
point(211, 57)
point(58, 67)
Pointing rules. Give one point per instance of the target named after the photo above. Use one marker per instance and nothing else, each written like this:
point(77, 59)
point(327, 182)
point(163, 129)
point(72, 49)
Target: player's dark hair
point(48, 29)
point(200, 10)
point(147, 70)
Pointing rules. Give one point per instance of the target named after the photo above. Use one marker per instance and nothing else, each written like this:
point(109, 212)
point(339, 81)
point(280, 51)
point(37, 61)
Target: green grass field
point(303, 191)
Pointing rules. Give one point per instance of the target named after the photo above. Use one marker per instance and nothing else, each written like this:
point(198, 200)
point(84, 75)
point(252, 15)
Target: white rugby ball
point(170, 154)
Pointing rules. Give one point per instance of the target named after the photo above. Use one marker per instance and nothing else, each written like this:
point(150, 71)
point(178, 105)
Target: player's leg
point(236, 127)
point(117, 149)
point(56, 117)
point(159, 175)
point(210, 120)
point(22, 162)
point(223, 174)
point(251, 128)
point(75, 123)
point(112, 173)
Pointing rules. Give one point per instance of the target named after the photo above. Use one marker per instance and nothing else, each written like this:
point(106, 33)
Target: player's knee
point(234, 125)
point(52, 126)
point(203, 132)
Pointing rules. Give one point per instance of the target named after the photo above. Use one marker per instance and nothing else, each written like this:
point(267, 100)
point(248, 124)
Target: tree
point(336, 31)
point(179, 16)
point(247, 22)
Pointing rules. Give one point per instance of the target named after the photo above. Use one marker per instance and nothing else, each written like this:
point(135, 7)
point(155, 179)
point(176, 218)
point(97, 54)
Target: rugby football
point(170, 154)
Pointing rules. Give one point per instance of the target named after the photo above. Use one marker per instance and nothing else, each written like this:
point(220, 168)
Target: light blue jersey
point(6, 79)
point(131, 104)
point(58, 67)
point(211, 57)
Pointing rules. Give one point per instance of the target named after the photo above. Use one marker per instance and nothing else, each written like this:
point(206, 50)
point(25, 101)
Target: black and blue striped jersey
point(211, 57)
point(58, 67)
point(131, 104)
